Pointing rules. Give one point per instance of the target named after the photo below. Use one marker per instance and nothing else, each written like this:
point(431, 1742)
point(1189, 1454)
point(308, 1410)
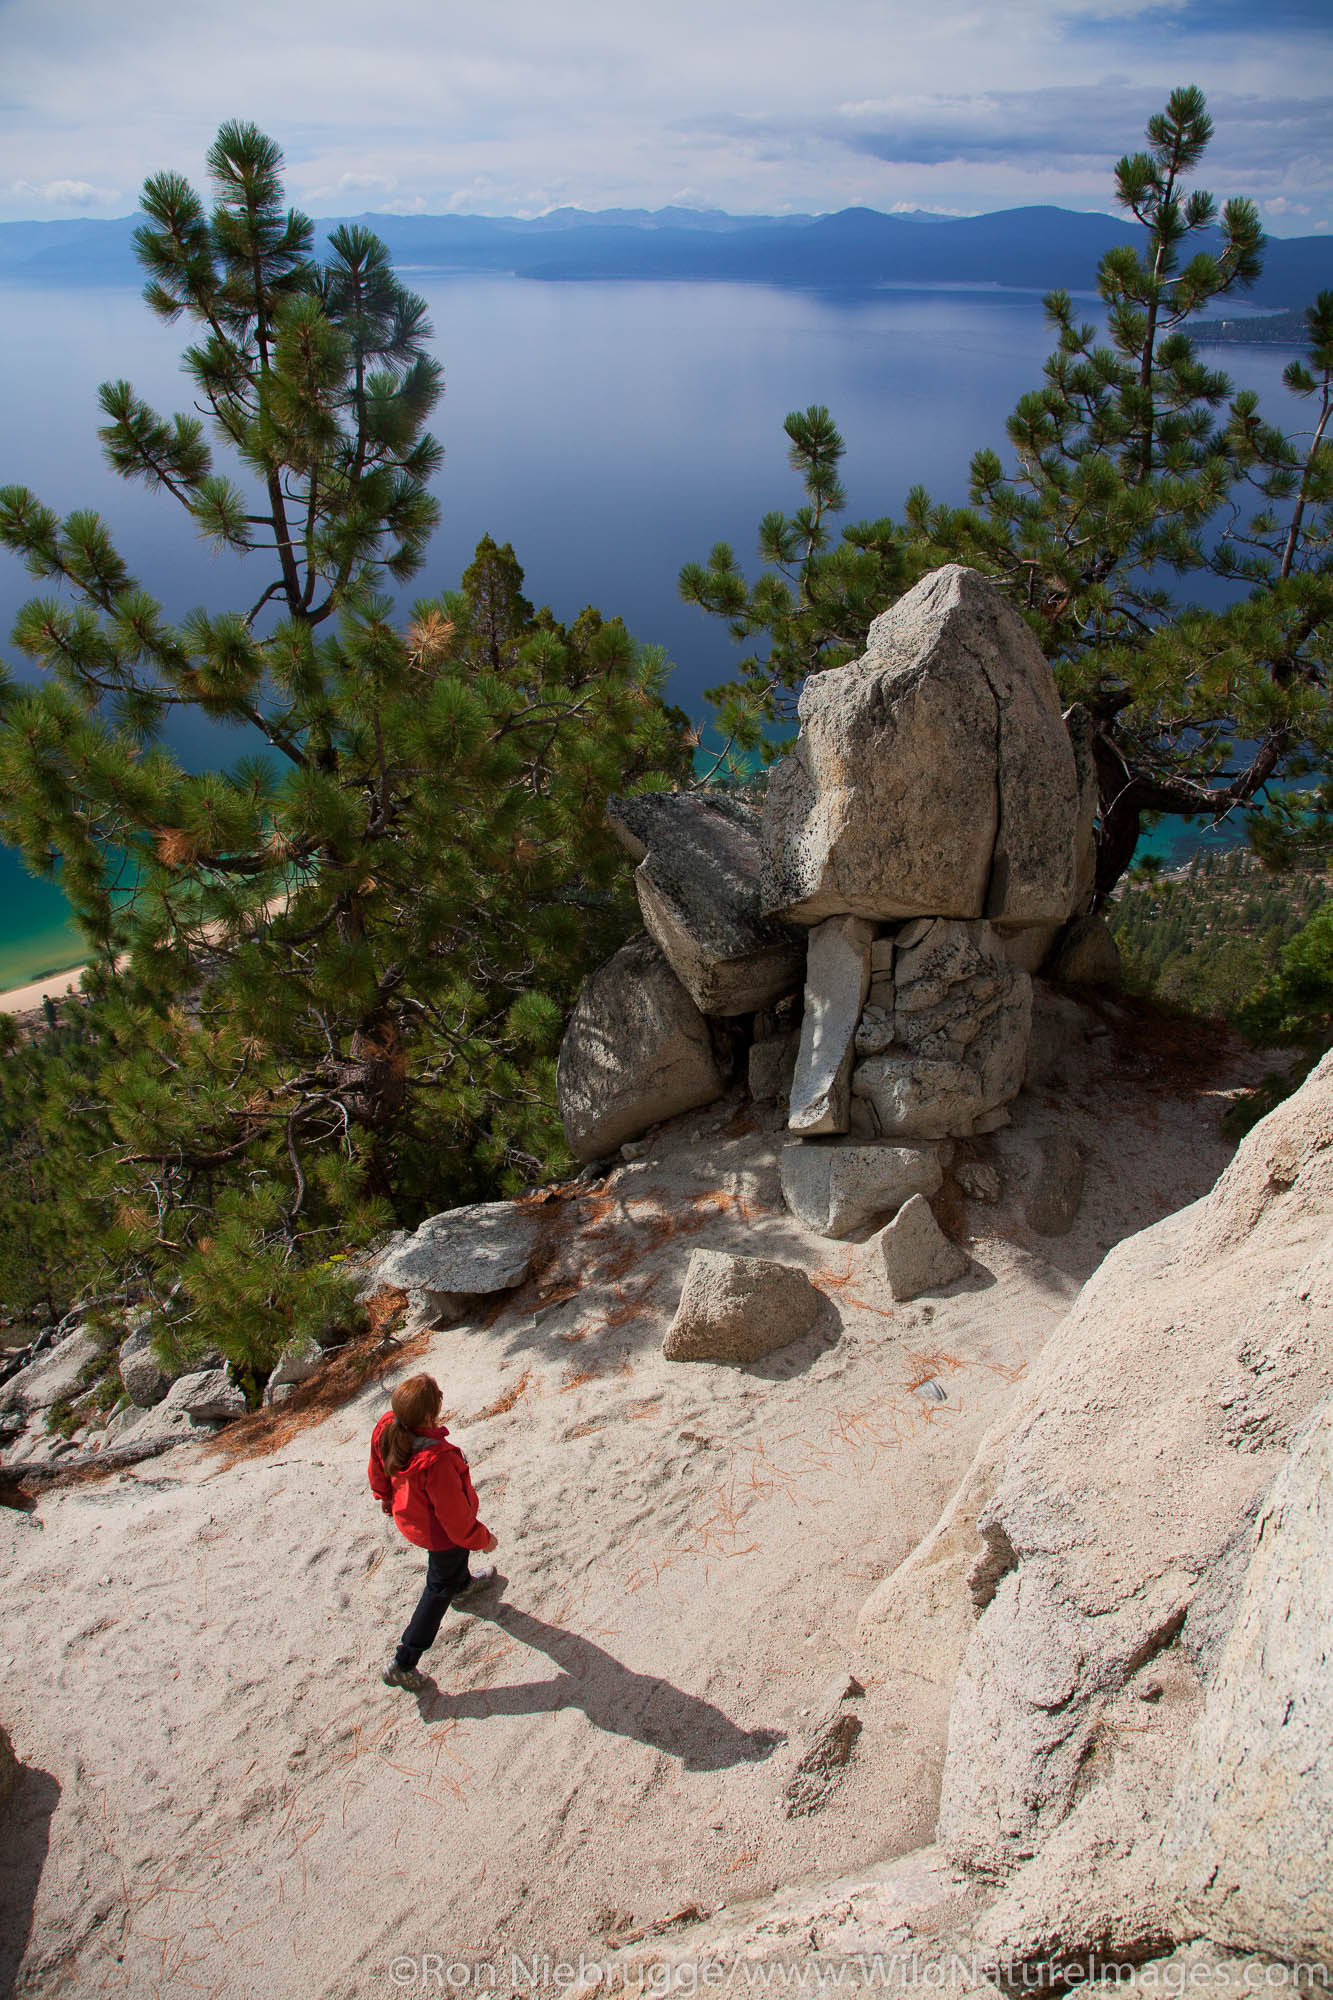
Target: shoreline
point(27, 999)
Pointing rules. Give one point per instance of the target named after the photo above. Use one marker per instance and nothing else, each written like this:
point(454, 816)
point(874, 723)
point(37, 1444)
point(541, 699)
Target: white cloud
point(63, 194)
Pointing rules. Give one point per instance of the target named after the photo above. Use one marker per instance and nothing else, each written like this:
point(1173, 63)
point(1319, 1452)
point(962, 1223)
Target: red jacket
point(433, 1501)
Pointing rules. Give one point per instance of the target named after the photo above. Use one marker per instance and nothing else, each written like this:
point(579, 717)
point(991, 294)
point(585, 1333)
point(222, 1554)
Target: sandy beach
point(23, 999)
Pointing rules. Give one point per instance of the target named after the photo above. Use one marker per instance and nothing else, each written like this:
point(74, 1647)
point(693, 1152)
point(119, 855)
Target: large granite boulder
point(946, 1044)
point(453, 1259)
point(837, 978)
point(53, 1376)
point(636, 1050)
point(739, 1308)
point(933, 776)
point(1248, 1828)
point(837, 1189)
point(698, 889)
point(1118, 1526)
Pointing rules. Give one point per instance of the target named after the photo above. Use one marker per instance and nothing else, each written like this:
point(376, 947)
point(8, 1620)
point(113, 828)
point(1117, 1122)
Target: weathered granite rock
point(297, 1363)
point(1086, 954)
point(145, 1380)
point(698, 889)
point(1029, 946)
point(772, 1065)
point(934, 776)
point(954, 1046)
point(837, 975)
point(52, 1376)
point(636, 1050)
point(1053, 1204)
point(1201, 1344)
point(1059, 1030)
point(739, 1308)
point(916, 1099)
point(836, 1190)
point(979, 1180)
point(207, 1396)
point(1248, 1828)
point(913, 1254)
point(830, 1739)
point(461, 1255)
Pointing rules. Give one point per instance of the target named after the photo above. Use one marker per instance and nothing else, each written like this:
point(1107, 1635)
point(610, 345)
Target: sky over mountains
point(750, 105)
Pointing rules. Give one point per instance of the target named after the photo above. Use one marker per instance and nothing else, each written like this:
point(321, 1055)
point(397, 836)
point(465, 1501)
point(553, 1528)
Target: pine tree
point(1132, 465)
point(330, 980)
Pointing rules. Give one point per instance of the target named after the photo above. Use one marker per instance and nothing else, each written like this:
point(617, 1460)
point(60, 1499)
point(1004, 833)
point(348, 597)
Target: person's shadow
point(612, 1696)
point(23, 1849)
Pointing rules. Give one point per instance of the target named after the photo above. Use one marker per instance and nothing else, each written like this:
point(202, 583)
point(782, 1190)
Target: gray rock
point(932, 776)
point(1059, 1030)
point(1028, 948)
point(636, 1050)
point(739, 1308)
point(145, 1380)
point(1200, 1346)
point(461, 1255)
point(698, 889)
point(1053, 1204)
point(978, 1180)
point(772, 1065)
point(838, 1189)
point(1247, 1831)
point(1086, 954)
point(909, 1099)
point(297, 1363)
point(52, 1376)
point(837, 975)
point(207, 1396)
point(913, 1253)
point(830, 1741)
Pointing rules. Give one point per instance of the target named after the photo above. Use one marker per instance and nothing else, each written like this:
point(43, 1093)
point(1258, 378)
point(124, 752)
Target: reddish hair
point(416, 1407)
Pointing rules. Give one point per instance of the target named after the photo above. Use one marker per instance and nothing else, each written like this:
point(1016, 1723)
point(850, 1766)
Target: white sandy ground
point(26, 999)
point(222, 1799)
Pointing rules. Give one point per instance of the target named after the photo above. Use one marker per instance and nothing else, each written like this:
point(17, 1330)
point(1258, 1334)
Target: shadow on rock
point(23, 1850)
point(612, 1696)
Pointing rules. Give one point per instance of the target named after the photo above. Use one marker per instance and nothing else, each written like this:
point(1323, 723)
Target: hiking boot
point(479, 1580)
point(395, 1676)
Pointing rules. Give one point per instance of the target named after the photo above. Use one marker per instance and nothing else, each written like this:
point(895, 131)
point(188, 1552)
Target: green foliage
point(1133, 465)
point(329, 981)
point(51, 1220)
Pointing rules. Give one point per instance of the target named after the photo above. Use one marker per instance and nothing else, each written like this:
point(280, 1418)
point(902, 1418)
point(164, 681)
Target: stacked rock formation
point(870, 934)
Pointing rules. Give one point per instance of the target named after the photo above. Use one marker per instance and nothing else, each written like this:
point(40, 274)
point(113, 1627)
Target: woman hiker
point(422, 1480)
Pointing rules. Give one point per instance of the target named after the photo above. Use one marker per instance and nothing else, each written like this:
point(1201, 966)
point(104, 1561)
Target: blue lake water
point(609, 431)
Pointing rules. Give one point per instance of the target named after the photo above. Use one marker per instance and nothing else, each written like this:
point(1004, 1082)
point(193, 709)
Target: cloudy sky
point(517, 106)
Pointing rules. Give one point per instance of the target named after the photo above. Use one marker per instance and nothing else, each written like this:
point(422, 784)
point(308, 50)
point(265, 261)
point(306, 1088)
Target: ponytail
point(416, 1406)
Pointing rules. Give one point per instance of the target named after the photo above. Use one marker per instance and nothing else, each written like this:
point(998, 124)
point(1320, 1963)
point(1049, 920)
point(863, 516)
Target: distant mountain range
point(857, 249)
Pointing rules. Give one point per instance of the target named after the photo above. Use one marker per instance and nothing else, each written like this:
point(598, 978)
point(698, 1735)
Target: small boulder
point(772, 1065)
point(698, 888)
point(739, 1308)
point(297, 1363)
point(837, 976)
point(209, 1396)
point(1053, 1204)
point(460, 1255)
point(914, 1254)
point(636, 1050)
point(836, 1190)
point(145, 1380)
point(979, 1180)
point(830, 1740)
point(1086, 954)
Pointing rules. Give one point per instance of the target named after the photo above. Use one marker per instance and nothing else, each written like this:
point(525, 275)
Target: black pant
point(446, 1575)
